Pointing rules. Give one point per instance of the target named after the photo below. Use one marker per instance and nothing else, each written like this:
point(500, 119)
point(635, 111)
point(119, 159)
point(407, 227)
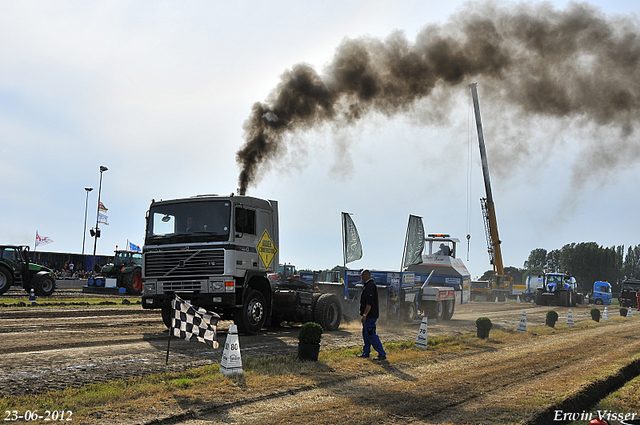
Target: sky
point(159, 92)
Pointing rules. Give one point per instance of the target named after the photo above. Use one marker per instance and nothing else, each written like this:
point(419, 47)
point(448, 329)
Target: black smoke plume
point(575, 63)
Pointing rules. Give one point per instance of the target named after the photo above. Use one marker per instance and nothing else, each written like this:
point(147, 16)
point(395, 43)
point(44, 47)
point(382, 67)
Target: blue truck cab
point(601, 294)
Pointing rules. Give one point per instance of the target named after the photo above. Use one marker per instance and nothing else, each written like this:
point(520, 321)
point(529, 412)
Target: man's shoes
point(363, 356)
point(380, 358)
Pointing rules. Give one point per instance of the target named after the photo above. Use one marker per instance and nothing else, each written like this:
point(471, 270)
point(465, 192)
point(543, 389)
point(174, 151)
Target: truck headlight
point(149, 288)
point(216, 286)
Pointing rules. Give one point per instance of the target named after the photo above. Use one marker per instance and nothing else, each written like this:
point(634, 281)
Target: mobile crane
point(500, 284)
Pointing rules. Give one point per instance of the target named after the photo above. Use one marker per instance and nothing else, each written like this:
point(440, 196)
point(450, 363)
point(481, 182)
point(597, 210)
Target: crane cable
point(469, 174)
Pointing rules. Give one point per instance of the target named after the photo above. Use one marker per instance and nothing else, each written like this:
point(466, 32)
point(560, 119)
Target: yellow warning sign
point(266, 249)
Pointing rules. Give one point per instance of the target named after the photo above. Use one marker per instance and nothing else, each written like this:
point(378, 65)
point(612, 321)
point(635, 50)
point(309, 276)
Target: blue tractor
point(558, 289)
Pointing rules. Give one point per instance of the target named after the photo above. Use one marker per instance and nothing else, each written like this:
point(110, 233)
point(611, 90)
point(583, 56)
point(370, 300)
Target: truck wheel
point(598, 301)
point(133, 282)
point(435, 310)
point(449, 307)
point(409, 310)
point(250, 318)
point(166, 316)
point(6, 280)
point(540, 299)
point(45, 286)
point(328, 312)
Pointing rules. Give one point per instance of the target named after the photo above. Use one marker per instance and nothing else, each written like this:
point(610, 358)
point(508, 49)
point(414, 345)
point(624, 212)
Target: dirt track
point(44, 348)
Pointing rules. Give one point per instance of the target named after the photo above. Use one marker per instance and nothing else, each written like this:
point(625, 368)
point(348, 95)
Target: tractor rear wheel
point(561, 299)
point(328, 312)
point(133, 282)
point(6, 280)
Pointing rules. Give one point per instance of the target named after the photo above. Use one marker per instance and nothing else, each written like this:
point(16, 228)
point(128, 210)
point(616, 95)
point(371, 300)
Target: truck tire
point(435, 310)
point(166, 316)
point(539, 298)
point(45, 286)
point(409, 312)
point(449, 307)
point(6, 280)
point(599, 301)
point(328, 312)
point(132, 282)
point(251, 317)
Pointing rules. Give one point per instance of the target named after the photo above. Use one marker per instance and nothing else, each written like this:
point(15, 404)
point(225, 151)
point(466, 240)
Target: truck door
point(267, 241)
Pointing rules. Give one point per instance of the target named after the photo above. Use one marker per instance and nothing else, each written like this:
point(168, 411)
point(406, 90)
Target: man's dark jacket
point(369, 296)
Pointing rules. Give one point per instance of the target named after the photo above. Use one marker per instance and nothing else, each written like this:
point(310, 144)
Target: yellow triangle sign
point(266, 249)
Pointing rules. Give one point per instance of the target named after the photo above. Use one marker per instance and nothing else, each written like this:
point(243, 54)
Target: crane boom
point(488, 206)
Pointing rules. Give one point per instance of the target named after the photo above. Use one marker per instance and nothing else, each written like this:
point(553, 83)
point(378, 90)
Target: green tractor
point(127, 270)
point(15, 269)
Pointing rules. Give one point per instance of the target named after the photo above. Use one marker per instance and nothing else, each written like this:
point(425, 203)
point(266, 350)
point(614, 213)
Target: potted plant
point(309, 341)
point(595, 314)
point(552, 318)
point(484, 325)
point(624, 311)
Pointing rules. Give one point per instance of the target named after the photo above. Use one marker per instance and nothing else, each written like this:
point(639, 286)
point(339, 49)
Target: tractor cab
point(125, 258)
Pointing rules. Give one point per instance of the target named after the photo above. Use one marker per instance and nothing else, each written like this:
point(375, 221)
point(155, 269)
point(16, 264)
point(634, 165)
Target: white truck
point(217, 251)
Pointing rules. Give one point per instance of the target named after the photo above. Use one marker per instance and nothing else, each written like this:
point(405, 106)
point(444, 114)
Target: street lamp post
point(97, 231)
point(84, 233)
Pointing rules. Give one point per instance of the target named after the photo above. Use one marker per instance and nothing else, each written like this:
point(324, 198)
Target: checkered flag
point(193, 323)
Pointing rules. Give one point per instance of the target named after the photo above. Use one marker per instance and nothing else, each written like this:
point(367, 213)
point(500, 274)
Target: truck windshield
point(189, 221)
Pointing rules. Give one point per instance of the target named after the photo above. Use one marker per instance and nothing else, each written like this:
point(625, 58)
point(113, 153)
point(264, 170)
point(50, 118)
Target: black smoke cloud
point(575, 63)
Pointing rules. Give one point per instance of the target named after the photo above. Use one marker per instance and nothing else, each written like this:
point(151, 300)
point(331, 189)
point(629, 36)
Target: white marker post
point(570, 318)
point(629, 312)
point(605, 314)
point(421, 339)
point(522, 326)
point(231, 363)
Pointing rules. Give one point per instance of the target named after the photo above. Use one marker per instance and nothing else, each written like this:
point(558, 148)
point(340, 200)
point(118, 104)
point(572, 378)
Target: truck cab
point(214, 251)
point(439, 257)
point(628, 290)
point(601, 294)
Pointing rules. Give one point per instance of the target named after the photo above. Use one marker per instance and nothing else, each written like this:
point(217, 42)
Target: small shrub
point(484, 323)
point(595, 314)
point(310, 333)
point(552, 318)
point(624, 311)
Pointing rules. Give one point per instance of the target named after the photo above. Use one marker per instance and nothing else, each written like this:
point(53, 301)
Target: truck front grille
point(183, 286)
point(184, 263)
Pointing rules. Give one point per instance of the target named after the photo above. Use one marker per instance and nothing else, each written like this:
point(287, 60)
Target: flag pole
point(169, 337)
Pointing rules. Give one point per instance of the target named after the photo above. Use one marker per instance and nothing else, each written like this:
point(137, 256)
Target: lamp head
point(103, 168)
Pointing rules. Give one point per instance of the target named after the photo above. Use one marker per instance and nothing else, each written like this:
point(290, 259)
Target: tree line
point(586, 261)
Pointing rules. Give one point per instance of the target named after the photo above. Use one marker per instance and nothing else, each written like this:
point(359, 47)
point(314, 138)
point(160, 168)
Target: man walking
point(369, 315)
